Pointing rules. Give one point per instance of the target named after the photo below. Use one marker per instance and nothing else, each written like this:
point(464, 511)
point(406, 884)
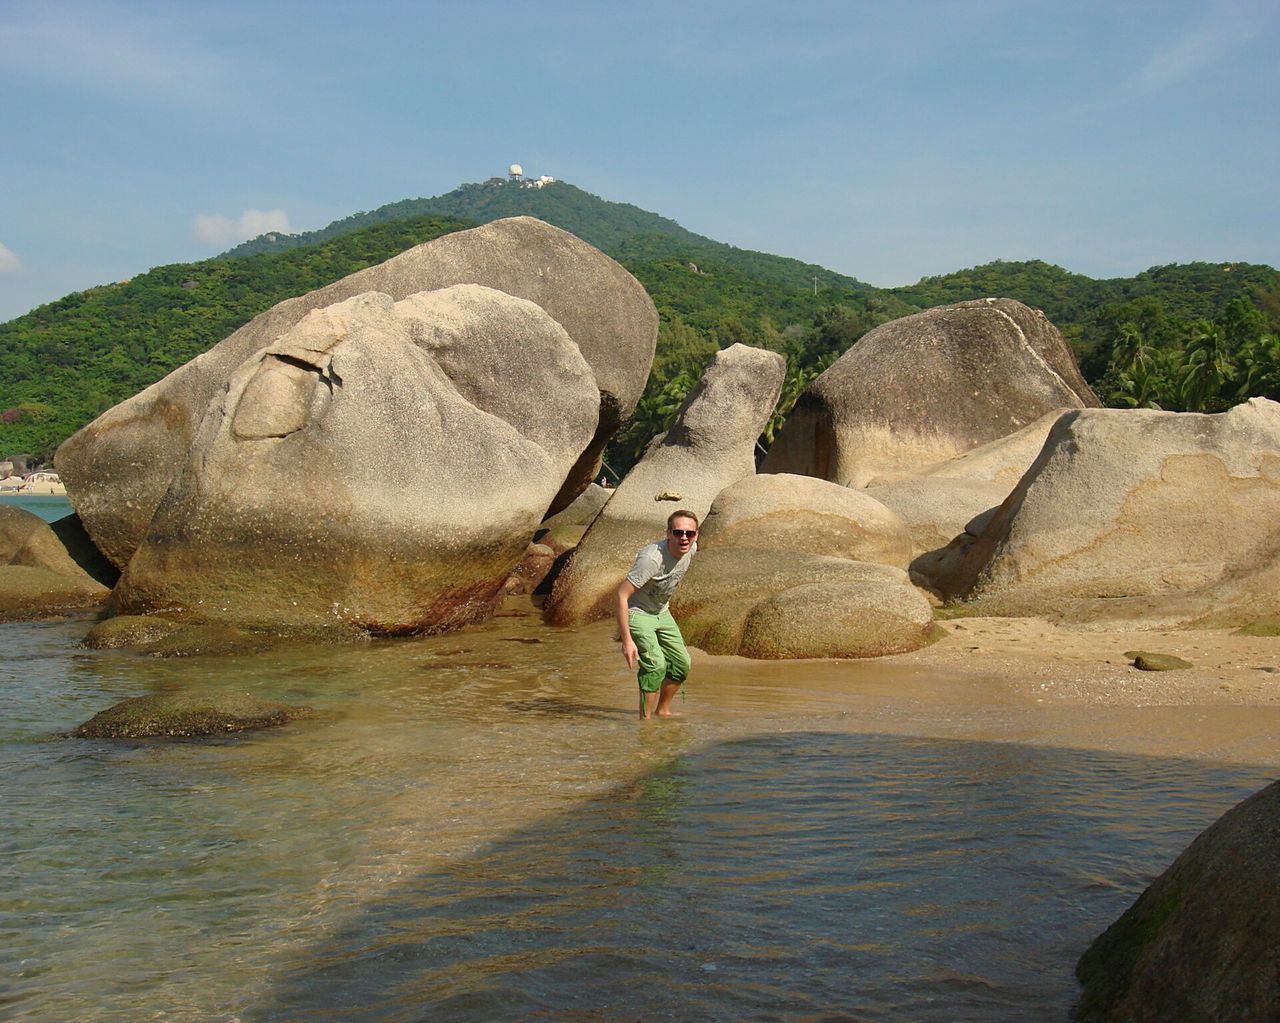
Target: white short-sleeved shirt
point(655, 575)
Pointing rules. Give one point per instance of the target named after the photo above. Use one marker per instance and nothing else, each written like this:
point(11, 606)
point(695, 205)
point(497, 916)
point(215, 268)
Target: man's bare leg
point(648, 703)
point(667, 694)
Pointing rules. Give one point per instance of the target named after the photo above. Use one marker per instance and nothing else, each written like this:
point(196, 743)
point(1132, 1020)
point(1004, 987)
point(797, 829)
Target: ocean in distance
point(49, 507)
point(476, 826)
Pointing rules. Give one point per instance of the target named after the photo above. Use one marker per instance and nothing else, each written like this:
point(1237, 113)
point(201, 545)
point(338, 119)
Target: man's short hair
point(681, 514)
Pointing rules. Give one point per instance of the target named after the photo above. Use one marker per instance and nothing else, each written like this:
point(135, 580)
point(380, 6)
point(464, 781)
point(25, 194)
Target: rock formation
point(1135, 514)
point(709, 446)
point(779, 603)
point(118, 468)
point(808, 516)
point(186, 715)
point(1202, 944)
point(37, 575)
point(927, 388)
point(456, 415)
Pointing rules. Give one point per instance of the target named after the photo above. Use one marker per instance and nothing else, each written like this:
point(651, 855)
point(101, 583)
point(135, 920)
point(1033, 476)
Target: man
point(650, 636)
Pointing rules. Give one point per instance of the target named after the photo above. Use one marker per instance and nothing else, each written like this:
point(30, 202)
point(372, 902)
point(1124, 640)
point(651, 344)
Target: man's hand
point(629, 652)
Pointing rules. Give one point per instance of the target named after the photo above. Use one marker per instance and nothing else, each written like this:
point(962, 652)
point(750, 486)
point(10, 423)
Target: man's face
point(681, 534)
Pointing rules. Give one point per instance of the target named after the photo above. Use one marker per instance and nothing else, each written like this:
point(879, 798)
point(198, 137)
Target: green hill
point(1141, 340)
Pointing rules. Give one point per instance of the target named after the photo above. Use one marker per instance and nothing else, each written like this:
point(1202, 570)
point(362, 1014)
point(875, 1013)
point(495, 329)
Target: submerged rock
point(1202, 944)
point(176, 715)
point(128, 632)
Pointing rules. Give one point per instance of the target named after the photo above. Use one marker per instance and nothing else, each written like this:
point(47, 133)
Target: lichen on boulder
point(1202, 943)
point(181, 715)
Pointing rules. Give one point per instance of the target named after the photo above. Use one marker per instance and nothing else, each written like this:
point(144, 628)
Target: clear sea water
point(476, 827)
point(49, 507)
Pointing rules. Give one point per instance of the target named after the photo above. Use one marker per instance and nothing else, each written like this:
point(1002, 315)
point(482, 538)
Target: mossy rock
point(183, 715)
point(1202, 943)
point(1145, 660)
point(1262, 627)
point(28, 593)
point(208, 641)
point(125, 631)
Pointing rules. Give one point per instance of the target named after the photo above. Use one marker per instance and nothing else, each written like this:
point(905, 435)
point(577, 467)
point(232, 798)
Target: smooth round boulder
point(927, 388)
point(782, 604)
point(119, 467)
point(455, 414)
point(805, 515)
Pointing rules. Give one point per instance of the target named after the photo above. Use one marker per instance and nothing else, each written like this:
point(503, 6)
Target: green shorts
point(661, 648)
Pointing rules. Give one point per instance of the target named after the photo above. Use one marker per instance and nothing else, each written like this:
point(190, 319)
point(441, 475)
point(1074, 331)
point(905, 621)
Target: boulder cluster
point(372, 457)
point(376, 457)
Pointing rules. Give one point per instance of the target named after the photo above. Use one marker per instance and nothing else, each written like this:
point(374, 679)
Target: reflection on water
point(476, 828)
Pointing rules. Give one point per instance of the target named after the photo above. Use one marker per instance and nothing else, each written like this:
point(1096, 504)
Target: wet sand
point(1026, 680)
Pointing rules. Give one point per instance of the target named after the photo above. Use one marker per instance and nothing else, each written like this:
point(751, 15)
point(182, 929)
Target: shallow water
point(49, 507)
point(476, 826)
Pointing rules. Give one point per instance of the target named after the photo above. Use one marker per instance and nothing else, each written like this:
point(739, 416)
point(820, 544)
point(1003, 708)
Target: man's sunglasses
point(683, 533)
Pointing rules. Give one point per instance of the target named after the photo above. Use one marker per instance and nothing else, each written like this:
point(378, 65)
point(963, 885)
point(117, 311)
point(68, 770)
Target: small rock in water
point(1145, 660)
point(182, 715)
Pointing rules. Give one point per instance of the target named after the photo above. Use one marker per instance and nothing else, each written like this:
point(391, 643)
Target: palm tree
point(1207, 368)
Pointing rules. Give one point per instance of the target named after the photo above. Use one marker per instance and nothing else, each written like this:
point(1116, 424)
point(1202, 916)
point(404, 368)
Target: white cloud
point(9, 263)
point(1228, 25)
point(215, 229)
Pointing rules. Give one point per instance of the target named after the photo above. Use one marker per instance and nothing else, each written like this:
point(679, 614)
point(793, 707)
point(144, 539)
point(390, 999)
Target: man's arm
point(629, 651)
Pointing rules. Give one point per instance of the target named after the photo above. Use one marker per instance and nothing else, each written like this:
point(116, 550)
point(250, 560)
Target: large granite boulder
point(1002, 461)
point(784, 604)
point(1202, 944)
point(37, 574)
point(936, 509)
point(927, 388)
point(456, 414)
point(710, 445)
point(118, 468)
point(1131, 514)
point(805, 515)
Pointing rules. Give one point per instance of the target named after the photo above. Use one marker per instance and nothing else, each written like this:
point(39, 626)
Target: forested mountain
point(1198, 335)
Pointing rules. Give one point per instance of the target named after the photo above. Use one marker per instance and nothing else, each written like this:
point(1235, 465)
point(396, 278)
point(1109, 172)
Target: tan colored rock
point(37, 575)
point(926, 389)
point(118, 468)
point(456, 414)
point(805, 515)
point(1202, 943)
point(27, 593)
point(783, 604)
point(709, 446)
point(937, 509)
point(1138, 515)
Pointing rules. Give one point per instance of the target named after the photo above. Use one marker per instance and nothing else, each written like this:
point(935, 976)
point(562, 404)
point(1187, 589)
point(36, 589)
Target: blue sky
point(885, 140)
